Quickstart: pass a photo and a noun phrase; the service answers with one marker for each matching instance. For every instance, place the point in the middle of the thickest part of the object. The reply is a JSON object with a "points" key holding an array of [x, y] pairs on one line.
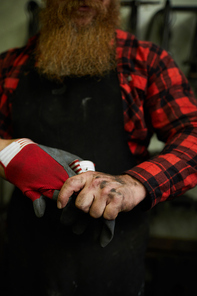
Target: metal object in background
{"points": [[164, 15], [166, 25], [165, 30], [192, 74], [168, 9], [133, 20], [33, 10]]}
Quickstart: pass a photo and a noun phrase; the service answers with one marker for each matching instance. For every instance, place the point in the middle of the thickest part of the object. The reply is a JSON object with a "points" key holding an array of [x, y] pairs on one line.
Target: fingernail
{"points": [[59, 205]]}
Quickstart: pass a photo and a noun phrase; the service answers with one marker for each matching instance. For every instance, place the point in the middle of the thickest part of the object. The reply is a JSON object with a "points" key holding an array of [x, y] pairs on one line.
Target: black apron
{"points": [[83, 116]]}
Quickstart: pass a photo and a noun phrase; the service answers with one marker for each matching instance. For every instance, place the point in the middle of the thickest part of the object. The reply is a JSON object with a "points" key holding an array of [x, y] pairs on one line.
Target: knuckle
{"points": [[105, 191], [117, 198], [71, 181]]}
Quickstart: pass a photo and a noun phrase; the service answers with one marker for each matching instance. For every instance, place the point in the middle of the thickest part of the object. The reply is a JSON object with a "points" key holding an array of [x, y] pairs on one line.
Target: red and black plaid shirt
{"points": [[156, 99]]}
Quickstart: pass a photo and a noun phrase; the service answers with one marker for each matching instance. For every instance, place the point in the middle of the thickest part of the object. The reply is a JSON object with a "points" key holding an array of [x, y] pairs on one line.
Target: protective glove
{"points": [[71, 216], [26, 166], [37, 182]]}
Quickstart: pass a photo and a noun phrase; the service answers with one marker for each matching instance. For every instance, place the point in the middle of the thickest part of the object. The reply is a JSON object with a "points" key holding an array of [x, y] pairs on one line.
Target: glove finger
{"points": [[50, 193], [39, 203], [33, 195], [107, 232], [39, 206], [55, 194]]}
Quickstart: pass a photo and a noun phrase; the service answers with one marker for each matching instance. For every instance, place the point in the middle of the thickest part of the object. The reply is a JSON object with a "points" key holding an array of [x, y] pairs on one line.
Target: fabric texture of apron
{"points": [[82, 116]]}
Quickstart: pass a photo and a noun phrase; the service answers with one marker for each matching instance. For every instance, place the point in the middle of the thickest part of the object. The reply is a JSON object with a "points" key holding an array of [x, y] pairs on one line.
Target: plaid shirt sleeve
{"points": [[167, 106], [11, 63]]}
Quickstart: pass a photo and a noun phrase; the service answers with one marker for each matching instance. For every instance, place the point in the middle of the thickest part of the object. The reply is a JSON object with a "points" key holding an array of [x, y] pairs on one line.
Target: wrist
{"points": [[139, 191], [8, 150], [11, 150], [5, 143]]}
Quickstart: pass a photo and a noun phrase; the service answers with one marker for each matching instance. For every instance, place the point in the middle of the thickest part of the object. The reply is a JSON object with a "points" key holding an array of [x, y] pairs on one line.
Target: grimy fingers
{"points": [[72, 185]]}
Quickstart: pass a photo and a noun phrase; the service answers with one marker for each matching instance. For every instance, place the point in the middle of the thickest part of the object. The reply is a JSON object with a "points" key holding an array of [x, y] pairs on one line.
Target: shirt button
{"points": [[129, 78]]}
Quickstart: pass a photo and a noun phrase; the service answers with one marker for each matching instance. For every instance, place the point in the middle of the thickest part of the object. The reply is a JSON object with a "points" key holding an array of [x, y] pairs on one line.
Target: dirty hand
{"points": [[101, 194]]}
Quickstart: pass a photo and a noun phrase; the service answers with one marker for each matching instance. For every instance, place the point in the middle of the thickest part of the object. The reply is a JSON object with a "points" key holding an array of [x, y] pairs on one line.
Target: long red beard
{"points": [[66, 49]]}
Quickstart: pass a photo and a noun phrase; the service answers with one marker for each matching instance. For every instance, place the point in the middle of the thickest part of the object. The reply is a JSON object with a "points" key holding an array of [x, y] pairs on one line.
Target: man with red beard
{"points": [[86, 87]]}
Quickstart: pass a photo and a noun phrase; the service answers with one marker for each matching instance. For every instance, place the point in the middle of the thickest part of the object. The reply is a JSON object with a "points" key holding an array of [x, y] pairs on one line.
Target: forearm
{"points": [[172, 172], [174, 119], [3, 144]]}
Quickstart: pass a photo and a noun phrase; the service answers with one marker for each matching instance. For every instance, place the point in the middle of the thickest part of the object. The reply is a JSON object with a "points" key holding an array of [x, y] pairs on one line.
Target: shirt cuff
{"points": [[154, 180]]}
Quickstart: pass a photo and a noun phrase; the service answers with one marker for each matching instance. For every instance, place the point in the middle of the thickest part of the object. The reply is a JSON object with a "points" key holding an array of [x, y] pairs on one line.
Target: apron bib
{"points": [[83, 116]]}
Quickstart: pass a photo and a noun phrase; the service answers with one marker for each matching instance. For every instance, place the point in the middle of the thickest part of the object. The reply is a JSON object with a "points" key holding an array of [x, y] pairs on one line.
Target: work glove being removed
{"points": [[33, 171], [70, 214], [39, 172]]}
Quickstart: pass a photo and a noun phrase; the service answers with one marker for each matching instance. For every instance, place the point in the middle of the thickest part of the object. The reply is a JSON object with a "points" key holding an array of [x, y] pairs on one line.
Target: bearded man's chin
{"points": [[66, 49]]}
